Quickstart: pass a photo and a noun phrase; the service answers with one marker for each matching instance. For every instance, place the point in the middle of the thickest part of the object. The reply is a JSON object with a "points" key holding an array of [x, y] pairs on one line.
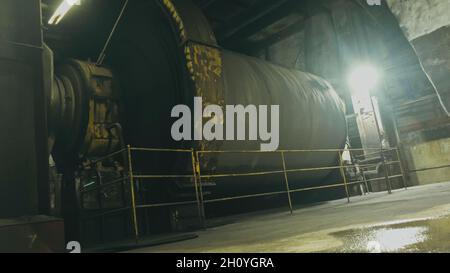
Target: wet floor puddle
{"points": [[431, 235]]}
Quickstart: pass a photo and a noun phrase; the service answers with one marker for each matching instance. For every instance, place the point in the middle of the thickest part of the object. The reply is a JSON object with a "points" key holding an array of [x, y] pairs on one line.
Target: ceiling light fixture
{"points": [[62, 10]]}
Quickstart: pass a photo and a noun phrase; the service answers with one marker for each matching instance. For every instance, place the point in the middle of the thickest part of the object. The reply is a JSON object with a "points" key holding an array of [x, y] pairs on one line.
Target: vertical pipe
{"points": [[133, 197], [288, 190], [341, 164], [383, 160]]}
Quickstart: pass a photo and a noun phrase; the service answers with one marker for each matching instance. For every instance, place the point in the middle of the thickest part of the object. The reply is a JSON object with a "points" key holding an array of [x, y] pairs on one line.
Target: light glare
{"points": [[62, 10], [363, 78]]}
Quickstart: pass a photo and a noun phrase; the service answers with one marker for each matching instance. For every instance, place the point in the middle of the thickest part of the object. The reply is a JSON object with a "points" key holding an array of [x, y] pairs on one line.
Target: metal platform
{"points": [[36, 234]]}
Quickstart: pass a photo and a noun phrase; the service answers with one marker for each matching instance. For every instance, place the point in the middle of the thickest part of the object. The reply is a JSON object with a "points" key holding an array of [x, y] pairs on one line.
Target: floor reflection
{"points": [[418, 236]]}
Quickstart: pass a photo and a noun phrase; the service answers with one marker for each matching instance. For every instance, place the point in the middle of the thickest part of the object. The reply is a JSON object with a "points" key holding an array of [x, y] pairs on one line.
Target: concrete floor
{"points": [[413, 220]]}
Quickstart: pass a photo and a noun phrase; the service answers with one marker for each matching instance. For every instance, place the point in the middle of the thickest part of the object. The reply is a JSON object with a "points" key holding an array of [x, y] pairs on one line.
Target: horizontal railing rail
{"points": [[197, 177]]}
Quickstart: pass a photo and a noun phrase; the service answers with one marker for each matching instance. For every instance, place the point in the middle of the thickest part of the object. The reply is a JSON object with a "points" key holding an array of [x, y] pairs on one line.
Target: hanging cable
{"points": [[441, 101], [102, 55]]}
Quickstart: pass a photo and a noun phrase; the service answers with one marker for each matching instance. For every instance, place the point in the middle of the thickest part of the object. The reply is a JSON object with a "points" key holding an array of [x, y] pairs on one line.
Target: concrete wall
{"points": [[422, 126], [426, 25], [420, 17], [289, 52], [433, 50], [429, 155]]}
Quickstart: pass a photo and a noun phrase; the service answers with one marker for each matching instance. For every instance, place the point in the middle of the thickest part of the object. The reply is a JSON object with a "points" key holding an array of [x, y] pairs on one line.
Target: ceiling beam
{"points": [[261, 23], [253, 47], [248, 17]]}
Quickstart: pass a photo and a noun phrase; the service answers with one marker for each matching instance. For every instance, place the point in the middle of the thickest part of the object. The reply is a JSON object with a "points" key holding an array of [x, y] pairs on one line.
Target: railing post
{"points": [[386, 171], [402, 170], [288, 190], [133, 196], [100, 202], [200, 188], [197, 190], [341, 164], [365, 181]]}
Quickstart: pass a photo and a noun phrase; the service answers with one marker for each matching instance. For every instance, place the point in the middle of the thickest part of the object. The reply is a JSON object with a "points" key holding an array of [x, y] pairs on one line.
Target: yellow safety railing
{"points": [[132, 178], [198, 176], [286, 171]]}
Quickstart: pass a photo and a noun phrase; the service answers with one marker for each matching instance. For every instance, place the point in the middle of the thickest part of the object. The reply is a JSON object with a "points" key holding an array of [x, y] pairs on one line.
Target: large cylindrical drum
{"points": [[175, 58]]}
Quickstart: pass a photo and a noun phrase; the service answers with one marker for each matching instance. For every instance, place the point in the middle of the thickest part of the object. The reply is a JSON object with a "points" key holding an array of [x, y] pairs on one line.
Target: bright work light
{"points": [[62, 10], [363, 78]]}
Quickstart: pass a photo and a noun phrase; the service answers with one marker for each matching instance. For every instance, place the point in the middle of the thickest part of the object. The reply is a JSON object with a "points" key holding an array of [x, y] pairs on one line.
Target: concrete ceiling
{"points": [[418, 18], [241, 25], [247, 24]]}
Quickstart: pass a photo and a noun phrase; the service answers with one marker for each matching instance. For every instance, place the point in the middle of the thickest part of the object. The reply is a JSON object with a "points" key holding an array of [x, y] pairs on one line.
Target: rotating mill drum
{"points": [[175, 58]]}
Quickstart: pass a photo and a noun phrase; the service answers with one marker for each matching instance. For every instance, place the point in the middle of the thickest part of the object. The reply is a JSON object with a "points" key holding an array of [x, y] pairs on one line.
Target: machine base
{"points": [[35, 234]]}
